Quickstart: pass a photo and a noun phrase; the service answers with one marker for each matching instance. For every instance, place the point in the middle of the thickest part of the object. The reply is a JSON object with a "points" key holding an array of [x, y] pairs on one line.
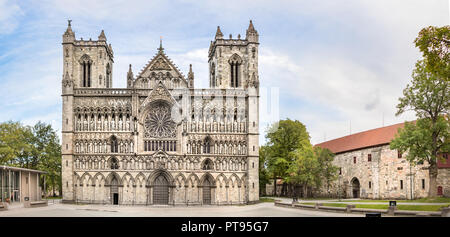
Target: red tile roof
{"points": [[370, 138]]}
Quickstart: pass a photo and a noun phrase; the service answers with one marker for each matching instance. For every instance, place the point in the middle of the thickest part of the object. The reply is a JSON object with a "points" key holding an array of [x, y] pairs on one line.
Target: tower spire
{"points": [[102, 36], [69, 35], [219, 34], [160, 49], [191, 77], [252, 34]]}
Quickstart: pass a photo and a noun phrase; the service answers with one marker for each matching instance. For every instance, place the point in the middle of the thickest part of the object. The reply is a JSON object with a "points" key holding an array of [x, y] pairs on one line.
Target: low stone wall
{"points": [[351, 209]]}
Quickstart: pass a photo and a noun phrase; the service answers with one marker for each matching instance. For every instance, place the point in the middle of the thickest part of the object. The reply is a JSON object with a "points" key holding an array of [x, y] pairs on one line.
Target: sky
{"points": [[337, 66]]}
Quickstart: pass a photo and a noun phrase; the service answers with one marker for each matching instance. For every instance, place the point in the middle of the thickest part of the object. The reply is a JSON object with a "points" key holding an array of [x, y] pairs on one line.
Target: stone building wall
{"points": [[390, 177]]}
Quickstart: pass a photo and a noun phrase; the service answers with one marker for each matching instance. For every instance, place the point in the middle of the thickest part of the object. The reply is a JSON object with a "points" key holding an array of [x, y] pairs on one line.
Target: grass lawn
{"points": [[385, 206], [264, 199], [53, 198], [421, 200]]}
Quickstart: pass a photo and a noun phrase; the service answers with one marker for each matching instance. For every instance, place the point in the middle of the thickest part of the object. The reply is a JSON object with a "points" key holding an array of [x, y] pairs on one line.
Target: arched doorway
{"points": [[355, 187], [207, 185], [114, 190], [161, 190]]}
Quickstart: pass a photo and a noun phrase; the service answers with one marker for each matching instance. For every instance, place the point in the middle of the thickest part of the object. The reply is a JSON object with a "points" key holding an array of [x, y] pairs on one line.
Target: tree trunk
{"points": [[305, 191], [275, 187], [433, 172]]}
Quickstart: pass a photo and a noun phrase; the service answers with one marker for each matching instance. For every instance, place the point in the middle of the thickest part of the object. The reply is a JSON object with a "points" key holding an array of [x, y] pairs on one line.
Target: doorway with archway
{"points": [[161, 190], [355, 188]]}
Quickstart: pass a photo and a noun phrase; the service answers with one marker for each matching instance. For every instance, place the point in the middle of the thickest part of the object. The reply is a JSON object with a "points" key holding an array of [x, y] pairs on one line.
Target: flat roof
{"points": [[4, 167]]}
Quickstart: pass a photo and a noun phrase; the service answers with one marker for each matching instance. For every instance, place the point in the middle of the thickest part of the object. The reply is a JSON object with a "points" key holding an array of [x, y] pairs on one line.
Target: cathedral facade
{"points": [[160, 141]]}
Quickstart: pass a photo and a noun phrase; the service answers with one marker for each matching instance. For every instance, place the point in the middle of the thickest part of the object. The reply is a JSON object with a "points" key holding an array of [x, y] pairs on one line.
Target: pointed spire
{"points": [[102, 36], [219, 34], [251, 28], [69, 35], [160, 49], [252, 34], [130, 74], [191, 77]]}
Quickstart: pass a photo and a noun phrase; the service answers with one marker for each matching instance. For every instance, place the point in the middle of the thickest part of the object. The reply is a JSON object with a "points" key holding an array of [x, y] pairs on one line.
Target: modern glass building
{"points": [[17, 184]]}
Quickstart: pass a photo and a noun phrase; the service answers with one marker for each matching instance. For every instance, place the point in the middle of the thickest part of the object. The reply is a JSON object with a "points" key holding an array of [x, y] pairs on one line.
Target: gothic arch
{"points": [[156, 173], [140, 178], [87, 176], [207, 176], [224, 180], [180, 182], [110, 177], [193, 179], [124, 179], [207, 164], [237, 180]]}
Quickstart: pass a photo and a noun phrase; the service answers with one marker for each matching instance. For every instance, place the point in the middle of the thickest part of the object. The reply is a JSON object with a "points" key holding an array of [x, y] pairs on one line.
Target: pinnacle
{"points": [[219, 34]]}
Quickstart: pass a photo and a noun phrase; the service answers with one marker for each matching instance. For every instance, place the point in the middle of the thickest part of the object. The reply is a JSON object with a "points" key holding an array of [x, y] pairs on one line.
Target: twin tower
{"points": [[233, 63]]}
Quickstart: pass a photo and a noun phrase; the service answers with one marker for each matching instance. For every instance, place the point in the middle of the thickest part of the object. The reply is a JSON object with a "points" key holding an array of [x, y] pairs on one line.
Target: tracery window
{"points": [[158, 122], [235, 63], [114, 163], [114, 145], [208, 165], [86, 62]]}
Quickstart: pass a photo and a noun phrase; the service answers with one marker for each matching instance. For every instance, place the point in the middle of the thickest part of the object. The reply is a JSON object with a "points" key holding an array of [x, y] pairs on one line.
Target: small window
{"points": [[370, 185], [26, 180], [399, 154], [254, 124], [340, 171], [423, 183], [354, 160], [369, 157], [253, 184], [67, 121], [253, 148], [401, 184], [399, 168], [253, 164], [67, 163], [67, 146]]}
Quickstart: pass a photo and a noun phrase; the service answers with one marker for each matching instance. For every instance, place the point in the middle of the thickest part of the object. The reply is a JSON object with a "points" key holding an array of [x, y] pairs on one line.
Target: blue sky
{"points": [[332, 63]]}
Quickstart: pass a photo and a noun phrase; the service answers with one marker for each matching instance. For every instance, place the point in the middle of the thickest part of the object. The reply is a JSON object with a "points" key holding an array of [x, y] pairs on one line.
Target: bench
{"points": [[41, 203], [3, 206]]}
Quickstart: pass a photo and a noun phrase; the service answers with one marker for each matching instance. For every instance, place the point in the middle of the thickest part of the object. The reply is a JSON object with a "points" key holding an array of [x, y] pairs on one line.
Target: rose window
{"points": [[159, 123]]}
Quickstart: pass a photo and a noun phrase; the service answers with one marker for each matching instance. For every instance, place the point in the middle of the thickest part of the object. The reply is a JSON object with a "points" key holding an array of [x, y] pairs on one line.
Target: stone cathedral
{"points": [[160, 141]]}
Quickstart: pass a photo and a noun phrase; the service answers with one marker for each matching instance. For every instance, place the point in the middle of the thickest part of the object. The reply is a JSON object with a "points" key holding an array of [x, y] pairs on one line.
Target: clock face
{"points": [[159, 123]]}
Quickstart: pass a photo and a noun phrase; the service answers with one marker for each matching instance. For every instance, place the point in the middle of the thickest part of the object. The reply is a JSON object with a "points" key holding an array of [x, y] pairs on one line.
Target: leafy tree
{"points": [[283, 138], [15, 144], [434, 43], [328, 171], [34, 147], [263, 172], [305, 169], [428, 96]]}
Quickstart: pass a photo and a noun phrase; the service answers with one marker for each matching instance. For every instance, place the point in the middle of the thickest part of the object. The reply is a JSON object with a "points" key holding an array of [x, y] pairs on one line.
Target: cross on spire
{"points": [[161, 49]]}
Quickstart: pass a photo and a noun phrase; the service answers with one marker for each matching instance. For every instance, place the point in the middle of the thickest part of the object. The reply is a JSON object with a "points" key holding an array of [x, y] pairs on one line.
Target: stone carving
{"points": [[160, 64]]}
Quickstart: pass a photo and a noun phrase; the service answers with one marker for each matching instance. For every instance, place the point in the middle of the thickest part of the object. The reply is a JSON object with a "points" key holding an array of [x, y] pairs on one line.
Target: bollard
{"points": [[391, 210], [445, 212], [349, 208], [318, 205]]}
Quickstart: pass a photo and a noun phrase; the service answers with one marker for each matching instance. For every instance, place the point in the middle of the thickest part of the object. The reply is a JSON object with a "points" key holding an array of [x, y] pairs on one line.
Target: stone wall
{"points": [[386, 176]]}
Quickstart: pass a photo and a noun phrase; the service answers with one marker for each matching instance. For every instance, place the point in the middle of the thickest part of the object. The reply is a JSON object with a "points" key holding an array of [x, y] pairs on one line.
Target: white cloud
{"points": [[9, 14]]}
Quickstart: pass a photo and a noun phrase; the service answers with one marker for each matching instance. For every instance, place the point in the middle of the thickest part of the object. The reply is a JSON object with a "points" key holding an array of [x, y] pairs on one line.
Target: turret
{"points": [[191, 77], [102, 36], [233, 63], [252, 34], [69, 35], [130, 78]]}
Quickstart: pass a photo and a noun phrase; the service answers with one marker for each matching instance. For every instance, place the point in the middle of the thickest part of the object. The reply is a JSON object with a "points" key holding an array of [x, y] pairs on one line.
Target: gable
{"points": [[160, 67]]}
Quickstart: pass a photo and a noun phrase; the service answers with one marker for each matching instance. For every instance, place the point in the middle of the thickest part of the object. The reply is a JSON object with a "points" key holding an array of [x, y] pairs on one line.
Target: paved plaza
{"points": [[256, 210]]}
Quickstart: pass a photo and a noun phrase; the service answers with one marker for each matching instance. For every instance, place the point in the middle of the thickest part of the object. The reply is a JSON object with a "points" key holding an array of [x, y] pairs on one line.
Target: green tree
{"points": [[328, 171], [15, 143], [263, 173], [305, 169], [34, 147], [428, 96], [283, 138]]}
